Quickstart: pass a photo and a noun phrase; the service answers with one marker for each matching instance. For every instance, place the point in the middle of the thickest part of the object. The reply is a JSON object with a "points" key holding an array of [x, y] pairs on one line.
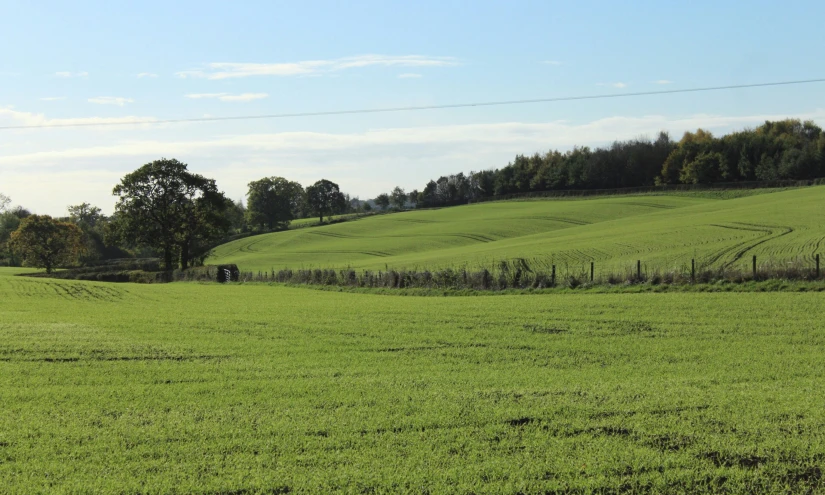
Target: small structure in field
{"points": [[228, 273]]}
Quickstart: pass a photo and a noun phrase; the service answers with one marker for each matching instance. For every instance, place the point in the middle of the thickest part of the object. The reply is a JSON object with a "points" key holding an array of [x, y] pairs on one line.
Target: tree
{"points": [[412, 197], [382, 200], [164, 206], [325, 198], [85, 214], [273, 202], [398, 198], [4, 202], [367, 207], [43, 242]]}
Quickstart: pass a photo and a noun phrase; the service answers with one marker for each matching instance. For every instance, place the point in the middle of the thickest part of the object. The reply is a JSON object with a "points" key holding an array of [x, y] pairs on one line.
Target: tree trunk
{"points": [[321, 220], [167, 258], [184, 256]]}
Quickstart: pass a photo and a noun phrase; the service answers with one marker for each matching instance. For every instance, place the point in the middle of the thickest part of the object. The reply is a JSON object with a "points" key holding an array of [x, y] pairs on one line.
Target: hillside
{"points": [[663, 231]]}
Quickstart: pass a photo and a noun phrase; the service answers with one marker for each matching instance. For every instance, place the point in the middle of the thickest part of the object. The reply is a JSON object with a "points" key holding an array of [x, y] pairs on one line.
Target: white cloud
{"points": [[147, 74], [409, 75], [227, 70], [67, 75], [663, 81], [53, 98], [551, 62], [227, 96], [9, 117], [111, 100]]}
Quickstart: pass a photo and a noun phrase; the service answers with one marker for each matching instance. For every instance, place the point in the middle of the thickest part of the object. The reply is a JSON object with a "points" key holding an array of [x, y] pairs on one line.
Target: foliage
{"points": [[319, 392], [398, 198], [164, 206], [788, 149], [383, 201], [43, 242], [325, 198], [273, 202], [4, 202]]}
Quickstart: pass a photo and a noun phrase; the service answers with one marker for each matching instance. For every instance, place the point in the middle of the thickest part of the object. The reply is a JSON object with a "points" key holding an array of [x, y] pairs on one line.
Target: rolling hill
{"points": [[663, 231]]}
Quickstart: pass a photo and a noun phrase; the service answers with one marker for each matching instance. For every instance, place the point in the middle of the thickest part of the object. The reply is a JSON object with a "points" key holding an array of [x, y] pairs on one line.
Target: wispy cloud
{"points": [[613, 85], [551, 62], [227, 96], [53, 98], [68, 75], [14, 117], [409, 75], [111, 100], [147, 74], [227, 70], [663, 81]]}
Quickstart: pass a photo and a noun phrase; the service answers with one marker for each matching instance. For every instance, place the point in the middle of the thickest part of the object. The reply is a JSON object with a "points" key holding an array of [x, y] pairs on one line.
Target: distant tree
{"points": [[412, 197], [367, 207], [4, 202], [86, 214], [382, 201], [273, 202], [164, 206], [43, 242], [398, 198], [325, 198], [236, 215]]}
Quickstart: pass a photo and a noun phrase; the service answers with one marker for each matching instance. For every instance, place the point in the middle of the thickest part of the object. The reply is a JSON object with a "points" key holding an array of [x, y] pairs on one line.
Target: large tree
{"points": [[4, 202], [164, 206], [43, 242], [325, 198], [273, 202]]}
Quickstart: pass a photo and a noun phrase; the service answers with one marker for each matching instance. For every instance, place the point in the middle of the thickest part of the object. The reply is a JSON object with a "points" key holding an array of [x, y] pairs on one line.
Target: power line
{"points": [[416, 108]]}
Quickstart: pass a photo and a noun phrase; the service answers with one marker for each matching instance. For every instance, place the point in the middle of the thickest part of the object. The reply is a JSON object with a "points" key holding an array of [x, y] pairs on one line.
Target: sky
{"points": [[102, 61]]}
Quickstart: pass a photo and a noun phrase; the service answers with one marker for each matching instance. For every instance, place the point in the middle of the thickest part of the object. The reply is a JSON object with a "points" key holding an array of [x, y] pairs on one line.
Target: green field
{"points": [[207, 388], [664, 231]]}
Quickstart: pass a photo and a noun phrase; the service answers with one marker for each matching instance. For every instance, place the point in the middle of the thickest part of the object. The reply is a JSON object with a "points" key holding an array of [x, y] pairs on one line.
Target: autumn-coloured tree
{"points": [[43, 242]]}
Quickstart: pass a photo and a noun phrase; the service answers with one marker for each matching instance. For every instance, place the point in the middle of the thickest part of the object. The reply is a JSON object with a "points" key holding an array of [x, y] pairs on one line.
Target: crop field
{"points": [[664, 231], [252, 388]]}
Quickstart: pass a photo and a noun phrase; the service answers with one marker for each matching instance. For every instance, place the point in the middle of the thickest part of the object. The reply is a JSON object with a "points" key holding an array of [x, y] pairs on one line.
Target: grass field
{"points": [[664, 231], [207, 388]]}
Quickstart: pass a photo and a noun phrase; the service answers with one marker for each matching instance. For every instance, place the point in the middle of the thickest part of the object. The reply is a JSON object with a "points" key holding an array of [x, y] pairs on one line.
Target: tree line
{"points": [[164, 210], [786, 149]]}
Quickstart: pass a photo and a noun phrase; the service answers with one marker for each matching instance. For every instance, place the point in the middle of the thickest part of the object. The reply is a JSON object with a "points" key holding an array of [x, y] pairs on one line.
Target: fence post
{"points": [[754, 266], [817, 266], [591, 271], [639, 269], [693, 270], [553, 276]]}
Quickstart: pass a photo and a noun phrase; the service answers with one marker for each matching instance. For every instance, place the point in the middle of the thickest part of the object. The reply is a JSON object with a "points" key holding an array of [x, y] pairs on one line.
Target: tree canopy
{"points": [[325, 198], [164, 206], [43, 242], [273, 202]]}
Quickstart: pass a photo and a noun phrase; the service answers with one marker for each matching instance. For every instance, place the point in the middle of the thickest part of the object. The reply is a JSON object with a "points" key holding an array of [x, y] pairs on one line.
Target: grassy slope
{"points": [[664, 231], [241, 389]]}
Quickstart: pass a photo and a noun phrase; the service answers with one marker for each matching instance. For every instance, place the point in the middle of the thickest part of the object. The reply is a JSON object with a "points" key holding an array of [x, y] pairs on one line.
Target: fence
{"points": [[525, 274]]}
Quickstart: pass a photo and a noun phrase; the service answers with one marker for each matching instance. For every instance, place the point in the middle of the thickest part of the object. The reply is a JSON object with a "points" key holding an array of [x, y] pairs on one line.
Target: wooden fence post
{"points": [[591, 271], [817, 266], [639, 269], [754, 266], [553, 276], [693, 270]]}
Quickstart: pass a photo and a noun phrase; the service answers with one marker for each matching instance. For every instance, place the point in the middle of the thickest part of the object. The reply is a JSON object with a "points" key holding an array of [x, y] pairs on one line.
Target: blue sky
{"points": [[67, 62]]}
